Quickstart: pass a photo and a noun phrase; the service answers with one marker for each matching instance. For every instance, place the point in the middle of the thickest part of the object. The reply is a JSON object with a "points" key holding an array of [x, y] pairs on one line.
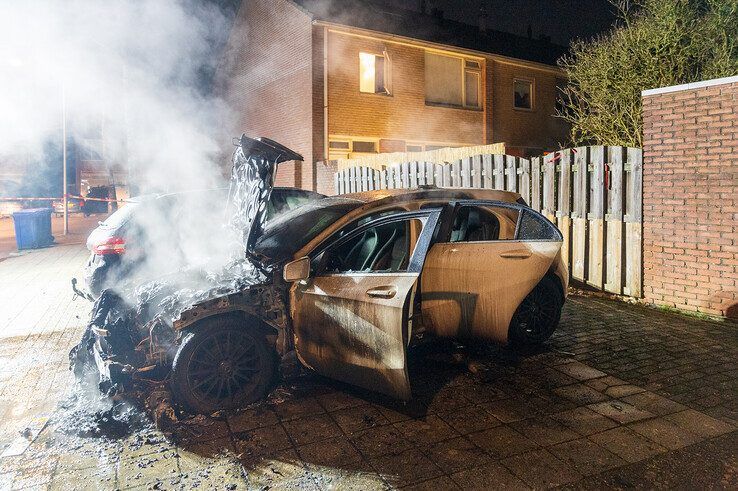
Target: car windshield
{"points": [[289, 232]]}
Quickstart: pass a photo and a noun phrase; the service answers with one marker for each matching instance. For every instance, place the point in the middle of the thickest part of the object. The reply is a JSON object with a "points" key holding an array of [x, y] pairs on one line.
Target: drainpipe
{"points": [[325, 93]]}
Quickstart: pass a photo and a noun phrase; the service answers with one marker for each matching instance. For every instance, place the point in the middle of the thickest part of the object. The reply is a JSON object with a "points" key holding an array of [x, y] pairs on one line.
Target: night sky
{"points": [[562, 20]]}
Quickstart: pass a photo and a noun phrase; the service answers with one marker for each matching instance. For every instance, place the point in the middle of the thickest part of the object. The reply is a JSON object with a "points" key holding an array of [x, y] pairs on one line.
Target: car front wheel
{"points": [[222, 365], [537, 316]]}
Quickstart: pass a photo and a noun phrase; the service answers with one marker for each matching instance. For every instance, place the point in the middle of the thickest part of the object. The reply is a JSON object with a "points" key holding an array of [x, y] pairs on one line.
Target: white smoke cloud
{"points": [[140, 65]]}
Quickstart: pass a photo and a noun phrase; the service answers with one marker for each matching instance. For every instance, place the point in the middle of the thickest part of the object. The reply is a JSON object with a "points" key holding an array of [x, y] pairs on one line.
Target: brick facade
{"points": [[525, 133], [273, 77], [402, 116], [690, 205], [266, 78]]}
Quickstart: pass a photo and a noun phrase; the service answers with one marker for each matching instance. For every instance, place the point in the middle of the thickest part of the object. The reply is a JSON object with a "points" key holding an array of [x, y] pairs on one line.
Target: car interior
{"points": [[477, 224], [384, 248]]}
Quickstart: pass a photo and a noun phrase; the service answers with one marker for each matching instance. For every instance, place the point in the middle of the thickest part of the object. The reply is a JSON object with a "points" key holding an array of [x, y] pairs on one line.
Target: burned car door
{"points": [[351, 317], [476, 277]]}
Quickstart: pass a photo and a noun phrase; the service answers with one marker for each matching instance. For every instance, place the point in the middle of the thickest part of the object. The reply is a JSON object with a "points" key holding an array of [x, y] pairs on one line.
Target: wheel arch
{"points": [[249, 320]]}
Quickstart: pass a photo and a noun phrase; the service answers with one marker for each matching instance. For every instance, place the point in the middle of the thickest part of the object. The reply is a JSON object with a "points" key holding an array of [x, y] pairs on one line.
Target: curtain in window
{"points": [[443, 79]]}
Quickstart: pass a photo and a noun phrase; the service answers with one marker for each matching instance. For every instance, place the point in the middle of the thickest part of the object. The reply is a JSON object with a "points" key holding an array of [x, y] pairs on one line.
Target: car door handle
{"points": [[521, 254], [382, 292]]}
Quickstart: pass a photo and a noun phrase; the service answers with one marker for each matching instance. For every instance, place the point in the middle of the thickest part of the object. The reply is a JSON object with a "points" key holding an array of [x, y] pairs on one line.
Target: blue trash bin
{"points": [[33, 228]]}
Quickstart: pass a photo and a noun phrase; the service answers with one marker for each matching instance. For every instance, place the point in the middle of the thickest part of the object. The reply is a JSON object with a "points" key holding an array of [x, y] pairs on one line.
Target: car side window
{"points": [[384, 248], [484, 223], [535, 227]]}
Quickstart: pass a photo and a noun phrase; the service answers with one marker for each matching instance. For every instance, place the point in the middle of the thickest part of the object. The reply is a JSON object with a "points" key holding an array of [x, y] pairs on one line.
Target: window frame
{"points": [[465, 68], [387, 73], [456, 205], [532, 83]]}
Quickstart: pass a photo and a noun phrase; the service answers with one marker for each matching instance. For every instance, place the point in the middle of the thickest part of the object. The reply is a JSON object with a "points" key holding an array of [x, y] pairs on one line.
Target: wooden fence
{"points": [[593, 194]]}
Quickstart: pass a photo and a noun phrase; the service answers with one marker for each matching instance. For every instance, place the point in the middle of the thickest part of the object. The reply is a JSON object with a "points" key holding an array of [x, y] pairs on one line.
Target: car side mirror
{"points": [[297, 270]]}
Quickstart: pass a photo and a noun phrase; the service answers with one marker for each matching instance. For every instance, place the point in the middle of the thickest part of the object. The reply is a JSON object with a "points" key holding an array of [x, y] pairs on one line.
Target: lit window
{"points": [[374, 73], [452, 81], [523, 97]]}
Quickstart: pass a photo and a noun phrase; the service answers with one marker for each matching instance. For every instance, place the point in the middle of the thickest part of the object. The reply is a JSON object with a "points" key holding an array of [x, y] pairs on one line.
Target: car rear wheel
{"points": [[222, 365], [537, 316]]}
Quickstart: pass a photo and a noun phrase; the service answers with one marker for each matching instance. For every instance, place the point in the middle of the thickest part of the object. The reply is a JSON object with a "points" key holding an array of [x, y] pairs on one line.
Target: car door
{"points": [[351, 316], [476, 276]]}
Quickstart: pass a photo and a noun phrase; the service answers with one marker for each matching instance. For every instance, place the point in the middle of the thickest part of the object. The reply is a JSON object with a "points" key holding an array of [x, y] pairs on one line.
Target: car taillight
{"points": [[112, 245]]}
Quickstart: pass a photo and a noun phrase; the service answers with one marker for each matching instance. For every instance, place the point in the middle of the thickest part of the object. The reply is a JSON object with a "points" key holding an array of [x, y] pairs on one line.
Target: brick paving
{"points": [[622, 396]]}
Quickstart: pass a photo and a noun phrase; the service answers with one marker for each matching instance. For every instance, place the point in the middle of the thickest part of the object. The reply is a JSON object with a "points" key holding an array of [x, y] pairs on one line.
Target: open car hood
{"points": [[255, 163]]}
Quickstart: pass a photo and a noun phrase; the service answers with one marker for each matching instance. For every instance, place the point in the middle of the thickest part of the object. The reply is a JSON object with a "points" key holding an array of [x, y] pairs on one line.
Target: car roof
{"points": [[432, 192]]}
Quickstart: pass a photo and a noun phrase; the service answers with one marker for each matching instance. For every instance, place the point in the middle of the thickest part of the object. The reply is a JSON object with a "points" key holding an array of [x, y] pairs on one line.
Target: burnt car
{"points": [[119, 245], [348, 284]]}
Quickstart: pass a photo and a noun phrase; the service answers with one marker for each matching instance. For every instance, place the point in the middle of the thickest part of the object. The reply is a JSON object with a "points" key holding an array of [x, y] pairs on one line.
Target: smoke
{"points": [[136, 74], [135, 66]]}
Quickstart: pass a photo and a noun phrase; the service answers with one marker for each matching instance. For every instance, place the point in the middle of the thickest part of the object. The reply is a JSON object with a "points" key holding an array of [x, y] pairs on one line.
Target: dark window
{"points": [[523, 94], [535, 227], [340, 145], [365, 147]]}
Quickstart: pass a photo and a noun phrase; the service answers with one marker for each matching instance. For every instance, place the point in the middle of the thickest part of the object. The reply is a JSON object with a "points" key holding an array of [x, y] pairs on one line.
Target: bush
{"points": [[655, 43]]}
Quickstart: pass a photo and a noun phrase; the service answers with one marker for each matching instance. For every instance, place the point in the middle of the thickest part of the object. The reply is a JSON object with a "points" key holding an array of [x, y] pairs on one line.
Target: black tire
{"points": [[537, 316], [222, 365]]}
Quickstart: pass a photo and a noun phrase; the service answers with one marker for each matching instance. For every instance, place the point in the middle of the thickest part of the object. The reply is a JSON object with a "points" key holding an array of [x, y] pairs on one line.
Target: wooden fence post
{"points": [[563, 211], [634, 224], [499, 172], [446, 175], [511, 174], [596, 215], [465, 172], [549, 187], [476, 171], [579, 215], [535, 171], [524, 176], [488, 177], [614, 220]]}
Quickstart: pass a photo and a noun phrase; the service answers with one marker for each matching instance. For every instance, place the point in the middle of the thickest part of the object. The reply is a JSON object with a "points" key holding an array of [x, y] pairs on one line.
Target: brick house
{"points": [[336, 80]]}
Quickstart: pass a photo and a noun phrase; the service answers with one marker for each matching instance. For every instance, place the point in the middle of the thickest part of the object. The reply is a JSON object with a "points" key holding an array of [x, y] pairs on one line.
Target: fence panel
{"points": [[593, 194]]}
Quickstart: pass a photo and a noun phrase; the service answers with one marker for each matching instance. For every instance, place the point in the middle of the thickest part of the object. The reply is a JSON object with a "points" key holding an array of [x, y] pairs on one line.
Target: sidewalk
{"points": [[80, 227], [623, 396]]}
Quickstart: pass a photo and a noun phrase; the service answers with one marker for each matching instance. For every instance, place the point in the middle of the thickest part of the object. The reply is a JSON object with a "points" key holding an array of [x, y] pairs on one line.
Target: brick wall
{"points": [[525, 133], [266, 78], [690, 204], [402, 116], [272, 78]]}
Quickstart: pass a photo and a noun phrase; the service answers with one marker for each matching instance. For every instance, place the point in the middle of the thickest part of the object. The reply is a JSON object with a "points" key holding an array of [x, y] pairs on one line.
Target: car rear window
{"points": [[120, 217]]}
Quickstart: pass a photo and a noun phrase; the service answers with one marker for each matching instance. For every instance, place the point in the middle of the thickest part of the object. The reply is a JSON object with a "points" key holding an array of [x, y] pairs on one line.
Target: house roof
{"points": [[432, 28]]}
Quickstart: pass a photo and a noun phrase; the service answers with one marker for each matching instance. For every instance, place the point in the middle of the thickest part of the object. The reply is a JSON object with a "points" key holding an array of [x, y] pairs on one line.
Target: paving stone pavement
{"points": [[622, 396]]}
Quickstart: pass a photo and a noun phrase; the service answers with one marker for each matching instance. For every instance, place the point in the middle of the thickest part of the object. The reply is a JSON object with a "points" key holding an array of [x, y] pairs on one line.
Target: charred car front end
{"points": [[346, 283]]}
